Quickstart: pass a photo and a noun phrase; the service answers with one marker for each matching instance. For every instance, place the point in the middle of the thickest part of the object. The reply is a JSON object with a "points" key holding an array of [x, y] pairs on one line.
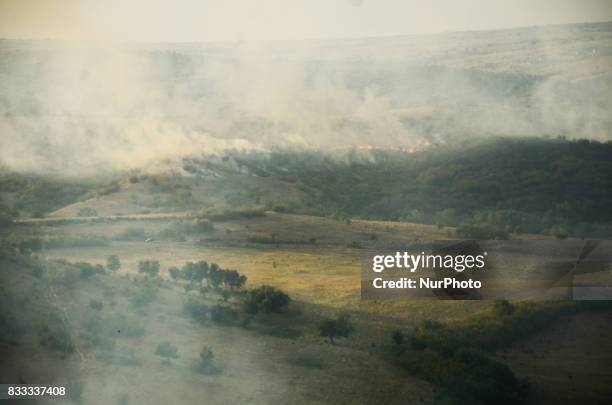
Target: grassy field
{"points": [[257, 364]]}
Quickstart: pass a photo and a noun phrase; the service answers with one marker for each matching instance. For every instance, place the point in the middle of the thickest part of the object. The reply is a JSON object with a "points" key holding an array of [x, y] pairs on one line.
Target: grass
{"points": [[322, 279]]}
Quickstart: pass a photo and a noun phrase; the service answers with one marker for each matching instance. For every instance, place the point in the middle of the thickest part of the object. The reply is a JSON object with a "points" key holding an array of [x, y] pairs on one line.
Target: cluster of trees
{"points": [[41, 194], [523, 185], [265, 299], [458, 357], [214, 275]]}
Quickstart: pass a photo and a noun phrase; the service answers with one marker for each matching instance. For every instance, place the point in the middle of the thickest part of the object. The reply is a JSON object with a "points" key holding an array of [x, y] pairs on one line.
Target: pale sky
{"points": [[211, 20]]}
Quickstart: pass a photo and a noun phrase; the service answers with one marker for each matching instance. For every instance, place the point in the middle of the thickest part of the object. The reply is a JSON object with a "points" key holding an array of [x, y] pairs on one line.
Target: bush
{"points": [[55, 336], [167, 350], [113, 263], [149, 267], [339, 327], [224, 315], [88, 270], [266, 299], [174, 272], [195, 310], [397, 337], [469, 376], [206, 365]]}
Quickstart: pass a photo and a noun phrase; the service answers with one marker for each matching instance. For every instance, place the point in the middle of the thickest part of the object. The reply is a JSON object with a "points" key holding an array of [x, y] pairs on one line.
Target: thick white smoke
{"points": [[91, 108]]}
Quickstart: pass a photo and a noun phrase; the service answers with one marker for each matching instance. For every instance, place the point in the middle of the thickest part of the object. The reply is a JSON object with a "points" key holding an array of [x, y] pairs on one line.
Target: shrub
{"points": [[55, 336], [174, 272], [149, 267], [195, 310], [266, 299], [397, 337], [88, 270], [113, 263], [206, 365], [224, 315], [339, 327], [167, 350]]}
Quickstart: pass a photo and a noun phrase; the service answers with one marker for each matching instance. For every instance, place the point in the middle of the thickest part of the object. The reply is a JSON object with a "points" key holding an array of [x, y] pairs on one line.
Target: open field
{"points": [[322, 277]]}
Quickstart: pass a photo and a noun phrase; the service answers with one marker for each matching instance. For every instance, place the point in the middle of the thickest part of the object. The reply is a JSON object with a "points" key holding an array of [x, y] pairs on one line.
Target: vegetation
{"points": [[521, 185], [206, 365], [113, 263], [265, 299], [166, 350], [334, 328], [224, 315], [149, 267]]}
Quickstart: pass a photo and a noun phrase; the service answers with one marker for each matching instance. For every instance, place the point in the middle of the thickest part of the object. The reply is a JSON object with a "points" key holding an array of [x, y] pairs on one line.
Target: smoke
{"points": [[82, 109]]}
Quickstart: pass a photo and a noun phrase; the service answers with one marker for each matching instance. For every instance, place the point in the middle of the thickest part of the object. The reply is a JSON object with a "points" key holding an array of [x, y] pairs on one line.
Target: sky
{"points": [[219, 20]]}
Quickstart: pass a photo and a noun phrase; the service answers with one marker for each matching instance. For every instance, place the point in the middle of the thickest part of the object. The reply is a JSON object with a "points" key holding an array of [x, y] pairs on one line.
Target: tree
{"points": [[266, 299], [174, 272], [225, 295], [215, 275], [233, 279], [88, 270], [332, 328], [149, 267], [397, 337], [113, 263], [200, 271], [188, 271], [206, 365], [167, 350]]}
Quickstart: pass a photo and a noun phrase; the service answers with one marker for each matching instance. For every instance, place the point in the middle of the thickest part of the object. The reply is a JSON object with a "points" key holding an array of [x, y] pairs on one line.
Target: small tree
{"points": [[166, 350], [174, 272], [332, 328], [207, 365], [149, 267], [113, 263], [215, 275], [397, 337], [200, 271], [225, 295], [266, 299], [233, 279]]}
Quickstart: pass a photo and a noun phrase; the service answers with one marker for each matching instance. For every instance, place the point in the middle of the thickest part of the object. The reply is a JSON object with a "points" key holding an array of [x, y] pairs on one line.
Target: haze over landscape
{"points": [[188, 190]]}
